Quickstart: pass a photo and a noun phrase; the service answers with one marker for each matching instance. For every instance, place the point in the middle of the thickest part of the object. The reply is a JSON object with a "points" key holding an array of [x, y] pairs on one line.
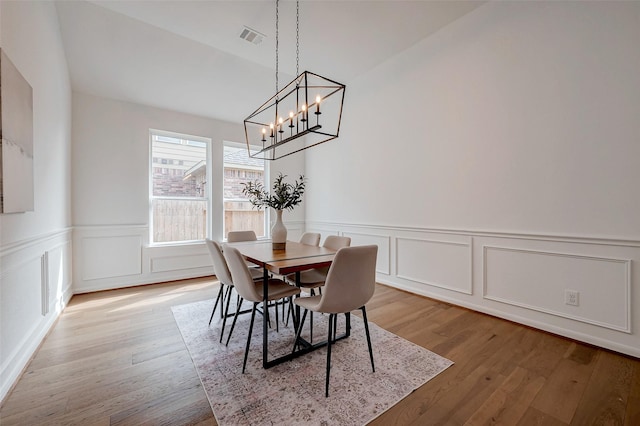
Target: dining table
{"points": [[293, 259]]}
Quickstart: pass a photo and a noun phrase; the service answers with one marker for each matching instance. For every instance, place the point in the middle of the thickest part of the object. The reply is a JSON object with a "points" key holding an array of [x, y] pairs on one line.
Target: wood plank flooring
{"points": [[117, 358]]}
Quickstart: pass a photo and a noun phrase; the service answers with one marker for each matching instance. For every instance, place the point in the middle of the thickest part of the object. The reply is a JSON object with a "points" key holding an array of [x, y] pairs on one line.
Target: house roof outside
{"points": [[237, 157]]}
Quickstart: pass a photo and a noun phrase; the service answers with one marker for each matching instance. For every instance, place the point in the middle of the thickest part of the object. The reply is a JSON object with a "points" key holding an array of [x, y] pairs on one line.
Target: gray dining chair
{"points": [[349, 285], [238, 236], [310, 239], [223, 275], [241, 236], [252, 291], [313, 279]]}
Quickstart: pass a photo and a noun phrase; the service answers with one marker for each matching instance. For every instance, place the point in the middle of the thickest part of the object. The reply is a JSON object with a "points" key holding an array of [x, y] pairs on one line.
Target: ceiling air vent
{"points": [[252, 36]]}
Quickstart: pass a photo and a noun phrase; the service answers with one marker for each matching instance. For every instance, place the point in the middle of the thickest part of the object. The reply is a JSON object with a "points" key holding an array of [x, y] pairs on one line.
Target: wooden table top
{"points": [[295, 257]]}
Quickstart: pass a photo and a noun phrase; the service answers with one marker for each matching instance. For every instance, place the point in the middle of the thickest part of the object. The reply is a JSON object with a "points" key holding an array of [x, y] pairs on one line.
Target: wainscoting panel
{"points": [[44, 283], [384, 248], [29, 305], [116, 256], [539, 281], [111, 256], [520, 277], [21, 298], [176, 263], [435, 262], [58, 275]]}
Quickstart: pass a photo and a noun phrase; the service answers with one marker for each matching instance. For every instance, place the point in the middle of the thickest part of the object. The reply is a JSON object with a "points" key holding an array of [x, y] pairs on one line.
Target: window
{"points": [[239, 168], [179, 190]]}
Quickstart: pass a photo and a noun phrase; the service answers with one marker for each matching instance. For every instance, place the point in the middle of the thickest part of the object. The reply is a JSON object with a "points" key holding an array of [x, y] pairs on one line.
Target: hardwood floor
{"points": [[117, 357]]}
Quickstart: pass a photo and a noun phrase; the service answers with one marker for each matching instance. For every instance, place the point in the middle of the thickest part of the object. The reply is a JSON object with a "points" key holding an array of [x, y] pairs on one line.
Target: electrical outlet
{"points": [[572, 297]]}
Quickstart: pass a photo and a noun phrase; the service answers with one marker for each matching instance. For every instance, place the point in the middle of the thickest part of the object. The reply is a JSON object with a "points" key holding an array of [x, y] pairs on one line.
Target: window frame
{"points": [[267, 212], [208, 196]]}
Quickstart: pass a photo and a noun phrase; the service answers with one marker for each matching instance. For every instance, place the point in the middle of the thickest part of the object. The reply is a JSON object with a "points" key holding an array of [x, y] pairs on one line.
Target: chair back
{"points": [[351, 280], [335, 242], [310, 239], [220, 267], [240, 274], [237, 236]]}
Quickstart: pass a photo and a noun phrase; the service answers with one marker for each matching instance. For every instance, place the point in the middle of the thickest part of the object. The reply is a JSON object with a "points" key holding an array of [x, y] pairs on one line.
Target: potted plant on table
{"points": [[285, 196]]}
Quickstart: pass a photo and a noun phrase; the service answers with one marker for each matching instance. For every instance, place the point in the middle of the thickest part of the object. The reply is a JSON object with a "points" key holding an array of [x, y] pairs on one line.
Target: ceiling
{"points": [[187, 56]]}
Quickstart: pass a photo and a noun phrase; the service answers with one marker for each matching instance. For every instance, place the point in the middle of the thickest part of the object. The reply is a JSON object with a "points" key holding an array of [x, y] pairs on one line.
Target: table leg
{"points": [[296, 320], [265, 307]]}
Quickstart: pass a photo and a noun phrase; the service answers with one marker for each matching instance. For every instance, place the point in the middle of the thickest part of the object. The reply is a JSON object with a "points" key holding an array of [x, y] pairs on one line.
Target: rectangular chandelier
{"points": [[305, 113]]}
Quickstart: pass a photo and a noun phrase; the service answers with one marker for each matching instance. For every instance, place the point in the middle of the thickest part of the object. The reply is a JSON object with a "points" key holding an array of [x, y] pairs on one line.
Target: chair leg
{"points": [[313, 293], [275, 304], [215, 305], [286, 322], [292, 312], [283, 303], [246, 351], [233, 324], [226, 311], [299, 330], [366, 329], [226, 294], [329, 339]]}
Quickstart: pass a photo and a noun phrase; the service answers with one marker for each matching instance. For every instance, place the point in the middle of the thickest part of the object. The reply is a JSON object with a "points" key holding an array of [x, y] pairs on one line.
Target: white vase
{"points": [[279, 233]]}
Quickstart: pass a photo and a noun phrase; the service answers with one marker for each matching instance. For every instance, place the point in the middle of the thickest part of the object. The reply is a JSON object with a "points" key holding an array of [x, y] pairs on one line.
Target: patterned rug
{"points": [[292, 393]]}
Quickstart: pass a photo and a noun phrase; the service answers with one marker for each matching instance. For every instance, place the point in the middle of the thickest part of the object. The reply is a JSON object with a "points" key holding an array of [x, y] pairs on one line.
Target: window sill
{"points": [[177, 244]]}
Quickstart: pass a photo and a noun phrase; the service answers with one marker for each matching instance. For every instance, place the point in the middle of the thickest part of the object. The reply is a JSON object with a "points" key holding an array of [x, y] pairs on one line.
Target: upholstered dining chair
{"points": [[221, 270], [312, 279], [253, 291], [310, 239], [350, 284], [238, 236]]}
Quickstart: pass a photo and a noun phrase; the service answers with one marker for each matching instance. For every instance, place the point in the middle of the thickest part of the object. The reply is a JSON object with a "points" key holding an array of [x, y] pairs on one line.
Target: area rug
{"points": [[292, 393]]}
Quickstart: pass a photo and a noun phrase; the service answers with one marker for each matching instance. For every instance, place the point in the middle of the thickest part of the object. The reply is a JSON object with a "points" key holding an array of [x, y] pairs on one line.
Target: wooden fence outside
{"points": [[186, 220], [179, 220]]}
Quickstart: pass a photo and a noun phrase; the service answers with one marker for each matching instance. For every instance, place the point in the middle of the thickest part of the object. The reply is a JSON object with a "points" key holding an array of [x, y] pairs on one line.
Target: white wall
{"points": [[35, 247], [505, 170], [111, 193]]}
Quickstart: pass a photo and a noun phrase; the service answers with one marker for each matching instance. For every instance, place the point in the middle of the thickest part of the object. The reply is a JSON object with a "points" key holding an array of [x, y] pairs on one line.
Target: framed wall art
{"points": [[16, 139]]}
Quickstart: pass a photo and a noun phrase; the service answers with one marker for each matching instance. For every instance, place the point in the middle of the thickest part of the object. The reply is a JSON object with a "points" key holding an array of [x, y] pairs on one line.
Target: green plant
{"points": [[285, 195]]}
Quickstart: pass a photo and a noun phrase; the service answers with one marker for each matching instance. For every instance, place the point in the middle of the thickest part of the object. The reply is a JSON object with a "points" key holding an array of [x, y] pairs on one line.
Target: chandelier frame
{"points": [[267, 126]]}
